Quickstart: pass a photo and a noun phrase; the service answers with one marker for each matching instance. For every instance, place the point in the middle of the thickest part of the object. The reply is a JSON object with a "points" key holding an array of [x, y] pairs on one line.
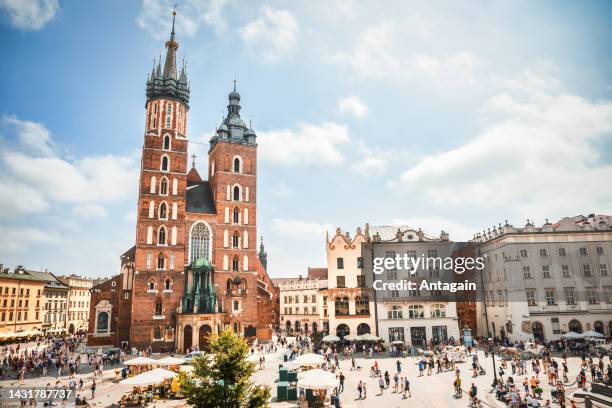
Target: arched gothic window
{"points": [[236, 240], [161, 236], [236, 193], [200, 242], [167, 142], [168, 114], [237, 165], [161, 262], [235, 264], [102, 326], [158, 307], [163, 211], [165, 163], [168, 284], [229, 284], [236, 215], [163, 186]]}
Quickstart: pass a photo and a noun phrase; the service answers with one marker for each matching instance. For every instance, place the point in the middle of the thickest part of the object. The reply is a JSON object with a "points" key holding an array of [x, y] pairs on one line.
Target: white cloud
{"points": [[433, 226], [29, 15], [309, 145], [19, 199], [374, 55], [352, 105], [18, 238], [456, 69], [374, 161], [272, 36], [538, 156], [88, 211], [155, 17], [32, 135], [283, 191], [31, 182]]}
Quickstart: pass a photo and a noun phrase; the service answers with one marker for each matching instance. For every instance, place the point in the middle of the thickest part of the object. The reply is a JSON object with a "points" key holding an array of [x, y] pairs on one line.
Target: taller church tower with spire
{"points": [[195, 269], [160, 232]]}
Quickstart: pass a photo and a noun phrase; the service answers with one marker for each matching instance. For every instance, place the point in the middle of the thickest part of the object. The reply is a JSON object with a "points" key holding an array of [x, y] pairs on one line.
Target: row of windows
{"points": [[11, 315], [340, 263], [238, 217], [237, 166], [561, 252], [297, 310], [416, 311], [167, 120], [14, 291], [306, 299], [20, 303], [341, 281], [341, 306], [587, 271], [162, 262], [570, 296], [163, 186], [152, 285]]}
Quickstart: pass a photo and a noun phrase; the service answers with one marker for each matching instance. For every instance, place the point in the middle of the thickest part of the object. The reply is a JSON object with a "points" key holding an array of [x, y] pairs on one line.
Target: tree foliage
{"points": [[222, 379]]}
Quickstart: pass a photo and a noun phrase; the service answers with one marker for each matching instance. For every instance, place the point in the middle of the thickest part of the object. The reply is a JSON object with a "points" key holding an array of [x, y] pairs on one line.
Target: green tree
{"points": [[222, 379]]}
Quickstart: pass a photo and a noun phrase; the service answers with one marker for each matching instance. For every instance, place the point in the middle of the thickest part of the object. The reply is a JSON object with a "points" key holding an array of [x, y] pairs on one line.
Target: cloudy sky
{"points": [[444, 115]]}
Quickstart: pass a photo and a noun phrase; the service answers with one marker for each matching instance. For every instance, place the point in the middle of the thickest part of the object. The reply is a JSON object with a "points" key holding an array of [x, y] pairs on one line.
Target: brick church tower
{"points": [[195, 269], [160, 231]]}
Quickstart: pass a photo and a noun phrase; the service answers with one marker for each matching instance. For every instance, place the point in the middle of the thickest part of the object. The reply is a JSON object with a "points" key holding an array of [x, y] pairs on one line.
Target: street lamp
{"points": [[491, 344]]}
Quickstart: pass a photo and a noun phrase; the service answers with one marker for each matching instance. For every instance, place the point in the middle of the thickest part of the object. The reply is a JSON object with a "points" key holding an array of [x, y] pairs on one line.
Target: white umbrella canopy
{"points": [[149, 378], [170, 361], [369, 337], [139, 361], [309, 359], [352, 337], [317, 379], [592, 333], [572, 335], [331, 338]]}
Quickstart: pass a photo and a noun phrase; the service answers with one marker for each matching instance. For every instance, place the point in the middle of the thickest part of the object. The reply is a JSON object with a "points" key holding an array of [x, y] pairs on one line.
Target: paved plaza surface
{"points": [[435, 390]]}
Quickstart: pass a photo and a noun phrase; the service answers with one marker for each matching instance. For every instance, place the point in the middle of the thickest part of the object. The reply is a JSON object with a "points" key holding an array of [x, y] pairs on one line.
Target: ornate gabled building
{"points": [[195, 268], [347, 299]]}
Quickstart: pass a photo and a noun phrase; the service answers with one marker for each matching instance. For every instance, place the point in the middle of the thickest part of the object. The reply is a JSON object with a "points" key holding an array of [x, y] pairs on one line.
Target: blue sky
{"points": [[440, 115]]}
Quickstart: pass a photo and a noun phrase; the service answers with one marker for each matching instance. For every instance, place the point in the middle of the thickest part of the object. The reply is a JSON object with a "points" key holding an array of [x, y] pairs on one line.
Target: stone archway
{"points": [[187, 338], [204, 337], [575, 326], [288, 327], [71, 329], [342, 330], [363, 328], [538, 331], [599, 327]]}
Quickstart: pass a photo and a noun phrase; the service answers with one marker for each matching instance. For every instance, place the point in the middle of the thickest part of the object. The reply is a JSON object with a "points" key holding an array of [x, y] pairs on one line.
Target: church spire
{"points": [[172, 46]]}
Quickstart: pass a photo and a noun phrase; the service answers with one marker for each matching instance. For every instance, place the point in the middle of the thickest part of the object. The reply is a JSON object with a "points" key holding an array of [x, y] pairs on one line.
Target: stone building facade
{"points": [[542, 282], [21, 303], [79, 296], [349, 301], [195, 268], [300, 305], [410, 317]]}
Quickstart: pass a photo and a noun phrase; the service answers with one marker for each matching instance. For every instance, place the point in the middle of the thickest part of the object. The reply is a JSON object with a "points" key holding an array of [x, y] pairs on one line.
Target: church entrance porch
{"points": [[195, 330]]}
